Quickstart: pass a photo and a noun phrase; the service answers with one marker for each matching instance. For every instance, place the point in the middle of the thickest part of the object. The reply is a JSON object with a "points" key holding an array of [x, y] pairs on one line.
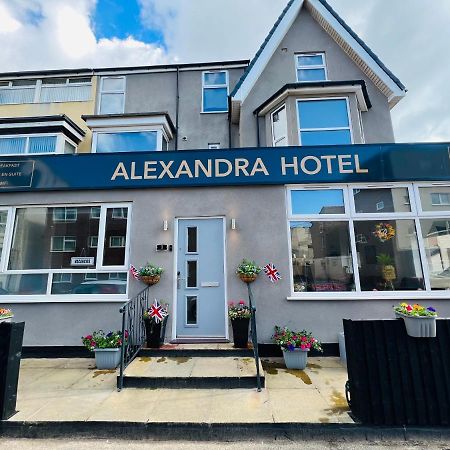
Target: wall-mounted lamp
{"points": [[233, 224], [165, 225]]}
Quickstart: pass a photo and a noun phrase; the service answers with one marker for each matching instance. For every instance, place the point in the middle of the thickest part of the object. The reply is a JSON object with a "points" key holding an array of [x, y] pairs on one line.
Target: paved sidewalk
{"points": [[73, 390]]}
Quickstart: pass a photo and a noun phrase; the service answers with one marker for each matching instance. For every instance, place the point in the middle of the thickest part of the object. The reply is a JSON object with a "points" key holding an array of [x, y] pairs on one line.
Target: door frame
{"points": [[174, 275]]}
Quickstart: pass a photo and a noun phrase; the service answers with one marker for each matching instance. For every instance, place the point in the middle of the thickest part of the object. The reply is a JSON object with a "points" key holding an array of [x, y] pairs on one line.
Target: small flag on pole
{"points": [[272, 272], [134, 272], [157, 312]]}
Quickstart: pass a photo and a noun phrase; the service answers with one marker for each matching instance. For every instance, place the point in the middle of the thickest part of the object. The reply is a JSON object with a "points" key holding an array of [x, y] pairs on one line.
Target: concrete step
{"points": [[176, 372], [197, 350]]}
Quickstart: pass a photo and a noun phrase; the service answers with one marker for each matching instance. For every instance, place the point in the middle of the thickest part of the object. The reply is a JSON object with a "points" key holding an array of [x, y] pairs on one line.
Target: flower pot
{"points": [[150, 279], [153, 333], [240, 332], [107, 358], [6, 319], [296, 359], [248, 278], [419, 326]]}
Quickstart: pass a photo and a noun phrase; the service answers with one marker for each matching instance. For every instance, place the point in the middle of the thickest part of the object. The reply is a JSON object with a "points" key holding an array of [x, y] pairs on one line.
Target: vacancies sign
{"points": [[229, 167]]}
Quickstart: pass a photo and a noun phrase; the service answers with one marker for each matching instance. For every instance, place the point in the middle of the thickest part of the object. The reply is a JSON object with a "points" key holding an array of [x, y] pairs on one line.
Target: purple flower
{"points": [[290, 347], [430, 308]]}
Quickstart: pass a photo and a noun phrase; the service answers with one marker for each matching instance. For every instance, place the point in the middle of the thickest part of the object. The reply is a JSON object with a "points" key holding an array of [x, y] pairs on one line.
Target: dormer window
{"points": [[311, 67]]}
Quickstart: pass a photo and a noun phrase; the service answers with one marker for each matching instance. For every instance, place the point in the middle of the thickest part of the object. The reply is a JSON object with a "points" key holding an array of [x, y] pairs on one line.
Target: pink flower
{"points": [[303, 346], [241, 302], [409, 308], [88, 337], [303, 338]]}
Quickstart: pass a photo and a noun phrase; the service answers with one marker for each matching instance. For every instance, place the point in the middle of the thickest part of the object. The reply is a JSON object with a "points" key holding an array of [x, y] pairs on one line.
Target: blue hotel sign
{"points": [[228, 167]]}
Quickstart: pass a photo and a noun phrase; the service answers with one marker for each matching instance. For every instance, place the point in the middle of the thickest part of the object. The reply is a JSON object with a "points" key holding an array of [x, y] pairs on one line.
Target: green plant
{"points": [[290, 340], [247, 267], [5, 313], [150, 270], [384, 259], [98, 339], [238, 311]]}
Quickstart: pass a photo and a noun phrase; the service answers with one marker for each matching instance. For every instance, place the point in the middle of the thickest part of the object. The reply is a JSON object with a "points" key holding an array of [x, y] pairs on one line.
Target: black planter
{"points": [[153, 332], [11, 335], [240, 332]]}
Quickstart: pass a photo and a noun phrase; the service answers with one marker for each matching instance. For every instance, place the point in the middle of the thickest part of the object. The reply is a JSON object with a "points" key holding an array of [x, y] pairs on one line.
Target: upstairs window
{"points": [[45, 90], [324, 122], [311, 67], [215, 92], [279, 127], [17, 145], [128, 141], [112, 95]]}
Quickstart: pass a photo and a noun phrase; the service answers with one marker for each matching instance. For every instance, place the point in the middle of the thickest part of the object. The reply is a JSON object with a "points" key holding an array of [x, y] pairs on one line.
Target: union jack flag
{"points": [[134, 272], [272, 272], [157, 312]]}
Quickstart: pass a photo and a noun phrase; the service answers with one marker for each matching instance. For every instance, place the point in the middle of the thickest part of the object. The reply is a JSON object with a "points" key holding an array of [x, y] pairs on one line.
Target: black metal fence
{"points": [[133, 329], [395, 379], [254, 335]]}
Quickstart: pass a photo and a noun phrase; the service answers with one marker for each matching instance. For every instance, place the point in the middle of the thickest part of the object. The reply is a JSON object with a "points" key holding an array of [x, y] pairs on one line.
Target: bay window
{"points": [[371, 240], [47, 243]]}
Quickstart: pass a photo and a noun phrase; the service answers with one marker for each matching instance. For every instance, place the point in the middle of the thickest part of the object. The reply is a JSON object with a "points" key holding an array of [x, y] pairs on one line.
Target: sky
{"points": [[411, 38]]}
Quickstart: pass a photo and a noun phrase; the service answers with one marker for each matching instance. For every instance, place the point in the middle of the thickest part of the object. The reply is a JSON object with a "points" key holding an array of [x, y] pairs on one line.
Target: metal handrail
{"points": [[133, 325], [254, 336]]}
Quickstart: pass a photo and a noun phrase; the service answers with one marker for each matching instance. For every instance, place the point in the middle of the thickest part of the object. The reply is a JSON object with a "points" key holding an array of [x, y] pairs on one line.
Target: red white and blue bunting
{"points": [[272, 272]]}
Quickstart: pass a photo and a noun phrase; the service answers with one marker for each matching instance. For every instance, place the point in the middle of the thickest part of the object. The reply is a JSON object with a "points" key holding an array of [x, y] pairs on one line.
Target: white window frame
{"points": [[65, 208], [112, 91], [91, 242], [93, 216], [214, 86], [122, 242], [67, 276], [121, 215], [159, 137], [350, 125], [317, 66], [186, 324], [59, 146], [286, 136], [65, 239], [441, 203], [37, 87], [98, 269], [415, 215]]}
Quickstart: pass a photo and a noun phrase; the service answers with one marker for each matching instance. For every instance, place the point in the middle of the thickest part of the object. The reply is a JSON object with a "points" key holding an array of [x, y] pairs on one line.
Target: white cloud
{"points": [[63, 37]]}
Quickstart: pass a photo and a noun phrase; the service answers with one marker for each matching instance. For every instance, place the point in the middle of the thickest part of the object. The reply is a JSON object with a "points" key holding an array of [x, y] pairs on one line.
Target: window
{"points": [[440, 199], [65, 214], [128, 141], [16, 145], [324, 122], [46, 90], [311, 67], [63, 244], [117, 241], [215, 91], [46, 242], [93, 241], [112, 95], [367, 239], [120, 213], [279, 127], [214, 146]]}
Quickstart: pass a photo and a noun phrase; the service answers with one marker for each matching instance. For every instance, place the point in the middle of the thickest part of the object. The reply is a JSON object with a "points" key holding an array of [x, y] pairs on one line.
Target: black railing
{"points": [[133, 326], [254, 335]]}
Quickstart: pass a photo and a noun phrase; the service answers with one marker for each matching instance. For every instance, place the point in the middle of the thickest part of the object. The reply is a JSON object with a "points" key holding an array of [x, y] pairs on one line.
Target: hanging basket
{"points": [[248, 278], [150, 280]]}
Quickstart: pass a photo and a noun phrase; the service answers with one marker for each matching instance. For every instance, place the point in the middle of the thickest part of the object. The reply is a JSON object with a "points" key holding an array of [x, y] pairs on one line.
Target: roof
{"points": [[321, 8], [93, 71], [316, 84]]}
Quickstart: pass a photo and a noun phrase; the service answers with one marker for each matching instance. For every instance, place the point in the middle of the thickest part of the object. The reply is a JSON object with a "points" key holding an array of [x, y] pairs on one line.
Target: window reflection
{"points": [[381, 200], [325, 201]]}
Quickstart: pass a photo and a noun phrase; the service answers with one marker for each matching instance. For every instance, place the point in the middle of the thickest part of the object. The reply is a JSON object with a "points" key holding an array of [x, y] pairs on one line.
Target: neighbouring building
{"points": [[287, 159]]}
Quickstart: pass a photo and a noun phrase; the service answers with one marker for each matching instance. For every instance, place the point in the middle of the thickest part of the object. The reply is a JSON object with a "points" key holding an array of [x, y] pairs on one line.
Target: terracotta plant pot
{"points": [[248, 278], [240, 332], [150, 280]]}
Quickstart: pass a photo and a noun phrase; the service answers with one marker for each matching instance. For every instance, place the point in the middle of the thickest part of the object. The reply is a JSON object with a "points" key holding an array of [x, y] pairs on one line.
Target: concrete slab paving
{"points": [[72, 390]]}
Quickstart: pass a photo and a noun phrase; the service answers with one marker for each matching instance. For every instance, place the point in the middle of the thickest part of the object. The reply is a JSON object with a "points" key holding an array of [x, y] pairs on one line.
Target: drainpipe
{"points": [[258, 141], [229, 122], [177, 107]]}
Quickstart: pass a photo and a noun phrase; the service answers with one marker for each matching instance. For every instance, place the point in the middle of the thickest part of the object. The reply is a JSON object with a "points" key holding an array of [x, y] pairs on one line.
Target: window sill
{"points": [[213, 112], [369, 296], [92, 298]]}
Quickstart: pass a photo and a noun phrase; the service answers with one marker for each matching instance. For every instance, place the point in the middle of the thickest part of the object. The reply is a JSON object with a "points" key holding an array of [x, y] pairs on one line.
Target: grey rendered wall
{"points": [[156, 92], [306, 35], [261, 234]]}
